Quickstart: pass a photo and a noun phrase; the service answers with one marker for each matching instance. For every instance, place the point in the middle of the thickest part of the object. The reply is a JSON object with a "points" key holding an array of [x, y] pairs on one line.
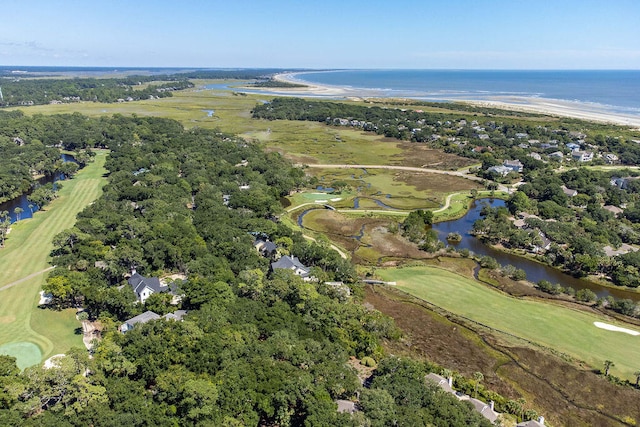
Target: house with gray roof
{"points": [[145, 317], [292, 263], [148, 316], [442, 382], [514, 165], [532, 423], [143, 287], [266, 248]]}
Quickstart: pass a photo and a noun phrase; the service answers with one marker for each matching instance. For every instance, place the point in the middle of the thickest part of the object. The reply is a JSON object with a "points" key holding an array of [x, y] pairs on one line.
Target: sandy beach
{"points": [[551, 107]]}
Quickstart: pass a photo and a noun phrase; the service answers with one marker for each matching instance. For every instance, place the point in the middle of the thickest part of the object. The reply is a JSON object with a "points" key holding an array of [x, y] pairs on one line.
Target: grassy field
{"points": [[568, 331], [26, 331]]}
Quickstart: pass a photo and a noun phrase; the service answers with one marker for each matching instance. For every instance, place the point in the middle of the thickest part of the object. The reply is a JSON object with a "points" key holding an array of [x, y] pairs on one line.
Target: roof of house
{"points": [[138, 283], [569, 192], [290, 263], [530, 423], [346, 406], [440, 381], [176, 315], [145, 317], [484, 409], [613, 209]]}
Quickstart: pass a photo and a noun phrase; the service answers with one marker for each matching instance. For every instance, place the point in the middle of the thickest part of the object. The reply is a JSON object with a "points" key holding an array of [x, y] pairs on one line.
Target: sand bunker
{"points": [[609, 327]]}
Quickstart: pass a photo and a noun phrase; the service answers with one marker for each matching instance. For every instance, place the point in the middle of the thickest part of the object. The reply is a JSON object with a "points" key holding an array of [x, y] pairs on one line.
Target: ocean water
{"points": [[617, 91]]}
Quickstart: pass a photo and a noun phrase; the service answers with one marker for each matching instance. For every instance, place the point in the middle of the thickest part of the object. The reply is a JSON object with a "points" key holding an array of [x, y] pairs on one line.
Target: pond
{"points": [[535, 271]]}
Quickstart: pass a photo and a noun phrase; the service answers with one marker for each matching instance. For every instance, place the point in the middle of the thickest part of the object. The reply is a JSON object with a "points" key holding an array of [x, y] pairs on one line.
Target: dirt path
{"points": [[31, 276], [447, 202], [462, 174], [334, 247]]}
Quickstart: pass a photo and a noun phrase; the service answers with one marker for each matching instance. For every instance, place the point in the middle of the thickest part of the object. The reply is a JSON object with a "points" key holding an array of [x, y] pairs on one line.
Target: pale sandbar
{"points": [[614, 328]]}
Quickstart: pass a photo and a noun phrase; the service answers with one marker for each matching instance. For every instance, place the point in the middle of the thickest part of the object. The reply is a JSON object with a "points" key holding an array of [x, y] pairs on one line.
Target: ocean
{"points": [[615, 91]]}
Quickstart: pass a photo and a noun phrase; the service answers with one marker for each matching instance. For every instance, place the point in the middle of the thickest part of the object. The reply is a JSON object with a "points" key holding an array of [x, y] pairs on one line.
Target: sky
{"points": [[371, 34]]}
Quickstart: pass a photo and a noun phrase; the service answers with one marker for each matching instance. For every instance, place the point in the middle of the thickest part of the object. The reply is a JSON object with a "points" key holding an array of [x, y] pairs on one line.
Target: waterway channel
{"points": [[23, 203], [535, 271]]}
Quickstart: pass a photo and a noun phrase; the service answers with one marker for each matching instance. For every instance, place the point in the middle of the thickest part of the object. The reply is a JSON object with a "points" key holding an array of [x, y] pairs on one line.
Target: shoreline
{"points": [[546, 106]]}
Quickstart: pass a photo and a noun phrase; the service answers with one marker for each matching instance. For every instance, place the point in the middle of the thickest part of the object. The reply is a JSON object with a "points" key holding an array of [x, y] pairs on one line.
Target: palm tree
{"points": [[478, 377], [637, 374], [18, 210], [608, 364]]}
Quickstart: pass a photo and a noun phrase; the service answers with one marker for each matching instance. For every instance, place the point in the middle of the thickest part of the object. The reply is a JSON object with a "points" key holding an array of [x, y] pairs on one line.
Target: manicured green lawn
{"points": [[27, 252], [566, 330]]}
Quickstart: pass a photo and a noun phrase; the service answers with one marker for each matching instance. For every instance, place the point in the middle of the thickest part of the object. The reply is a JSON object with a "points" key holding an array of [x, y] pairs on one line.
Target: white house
{"points": [[582, 156], [143, 287]]}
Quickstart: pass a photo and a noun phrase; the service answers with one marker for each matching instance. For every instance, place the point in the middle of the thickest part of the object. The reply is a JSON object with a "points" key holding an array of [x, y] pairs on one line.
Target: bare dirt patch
{"points": [[436, 183], [420, 155]]}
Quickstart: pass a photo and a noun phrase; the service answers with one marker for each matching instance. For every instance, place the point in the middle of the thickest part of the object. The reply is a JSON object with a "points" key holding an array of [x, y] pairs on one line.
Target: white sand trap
{"points": [[52, 361], [337, 199], [321, 201], [609, 327]]}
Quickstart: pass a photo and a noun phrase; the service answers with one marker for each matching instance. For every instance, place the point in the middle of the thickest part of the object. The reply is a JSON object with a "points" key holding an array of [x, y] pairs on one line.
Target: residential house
{"points": [[145, 317], [346, 406], [610, 158], [265, 248], [535, 156], [582, 156], [569, 192], [573, 146], [522, 135], [292, 263], [143, 287], [545, 243], [514, 165], [613, 209], [532, 423], [621, 183], [486, 410], [500, 170], [557, 155], [442, 382], [148, 316], [623, 249]]}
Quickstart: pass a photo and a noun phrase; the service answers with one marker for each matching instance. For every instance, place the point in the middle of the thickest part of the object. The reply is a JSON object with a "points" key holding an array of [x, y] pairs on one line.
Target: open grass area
{"points": [[565, 330], [26, 255]]}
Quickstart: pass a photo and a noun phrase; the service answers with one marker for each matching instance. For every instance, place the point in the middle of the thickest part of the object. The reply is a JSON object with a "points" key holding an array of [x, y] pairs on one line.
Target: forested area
{"points": [[44, 91], [257, 347], [478, 133]]}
